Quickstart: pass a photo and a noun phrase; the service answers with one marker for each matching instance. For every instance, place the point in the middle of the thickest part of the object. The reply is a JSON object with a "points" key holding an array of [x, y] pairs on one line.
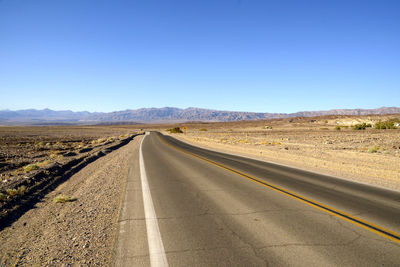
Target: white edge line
{"points": [[156, 246]]}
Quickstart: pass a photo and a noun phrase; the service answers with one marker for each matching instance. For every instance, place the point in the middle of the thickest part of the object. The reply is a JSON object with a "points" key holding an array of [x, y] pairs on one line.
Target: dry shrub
{"points": [[31, 167], [43, 163], [64, 198], [16, 191], [3, 197]]}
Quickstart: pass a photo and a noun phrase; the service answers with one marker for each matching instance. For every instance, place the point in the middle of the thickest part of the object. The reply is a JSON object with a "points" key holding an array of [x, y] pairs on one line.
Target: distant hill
{"points": [[161, 115]]}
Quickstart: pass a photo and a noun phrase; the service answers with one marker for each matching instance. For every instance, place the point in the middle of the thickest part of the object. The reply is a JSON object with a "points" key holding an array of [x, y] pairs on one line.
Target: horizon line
{"points": [[320, 110]]}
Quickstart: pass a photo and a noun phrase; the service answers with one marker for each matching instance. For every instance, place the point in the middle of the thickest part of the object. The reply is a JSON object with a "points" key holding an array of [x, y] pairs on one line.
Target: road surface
{"points": [[194, 207]]}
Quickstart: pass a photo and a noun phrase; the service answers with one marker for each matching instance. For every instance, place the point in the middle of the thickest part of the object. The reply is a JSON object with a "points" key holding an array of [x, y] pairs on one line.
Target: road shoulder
{"points": [[130, 248]]}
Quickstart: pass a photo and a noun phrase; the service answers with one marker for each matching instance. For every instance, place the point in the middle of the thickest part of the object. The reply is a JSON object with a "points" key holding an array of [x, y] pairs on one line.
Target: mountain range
{"points": [[161, 115]]}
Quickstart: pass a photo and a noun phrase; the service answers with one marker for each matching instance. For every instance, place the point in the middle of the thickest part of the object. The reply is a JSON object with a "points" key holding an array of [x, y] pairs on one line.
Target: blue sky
{"points": [[263, 56]]}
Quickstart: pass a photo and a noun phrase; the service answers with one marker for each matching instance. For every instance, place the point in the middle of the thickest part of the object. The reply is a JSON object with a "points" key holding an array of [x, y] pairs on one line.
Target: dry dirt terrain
{"points": [[24, 150], [327, 145], [76, 232], [34, 160], [81, 230]]}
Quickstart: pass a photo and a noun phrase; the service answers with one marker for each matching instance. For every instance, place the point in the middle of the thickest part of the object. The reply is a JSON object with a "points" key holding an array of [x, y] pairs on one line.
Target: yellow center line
{"points": [[340, 214]]}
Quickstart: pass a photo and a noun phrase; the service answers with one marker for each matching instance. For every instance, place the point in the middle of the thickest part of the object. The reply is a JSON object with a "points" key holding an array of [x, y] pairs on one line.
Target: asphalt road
{"points": [[205, 208]]}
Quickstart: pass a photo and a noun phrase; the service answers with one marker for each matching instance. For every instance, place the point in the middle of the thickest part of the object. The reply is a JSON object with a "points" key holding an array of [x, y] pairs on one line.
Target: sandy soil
{"points": [[79, 233], [369, 156]]}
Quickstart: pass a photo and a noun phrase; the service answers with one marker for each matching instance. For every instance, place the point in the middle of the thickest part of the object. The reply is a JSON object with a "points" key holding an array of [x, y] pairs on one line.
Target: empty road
{"points": [[193, 207]]}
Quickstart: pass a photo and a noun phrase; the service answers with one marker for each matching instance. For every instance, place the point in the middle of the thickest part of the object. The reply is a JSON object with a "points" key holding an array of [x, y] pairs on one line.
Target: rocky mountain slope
{"points": [[159, 115]]}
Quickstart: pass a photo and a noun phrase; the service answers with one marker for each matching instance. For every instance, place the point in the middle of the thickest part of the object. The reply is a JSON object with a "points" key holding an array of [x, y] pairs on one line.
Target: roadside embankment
{"points": [[22, 194]]}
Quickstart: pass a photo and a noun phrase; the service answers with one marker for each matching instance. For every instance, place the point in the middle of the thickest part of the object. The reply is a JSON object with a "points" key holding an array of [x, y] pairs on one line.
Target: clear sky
{"points": [[248, 55]]}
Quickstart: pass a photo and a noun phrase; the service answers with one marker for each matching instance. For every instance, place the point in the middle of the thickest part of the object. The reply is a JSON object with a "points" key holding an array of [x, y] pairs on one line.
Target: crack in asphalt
{"points": [[191, 250], [254, 250], [203, 249], [205, 213], [382, 240], [312, 244]]}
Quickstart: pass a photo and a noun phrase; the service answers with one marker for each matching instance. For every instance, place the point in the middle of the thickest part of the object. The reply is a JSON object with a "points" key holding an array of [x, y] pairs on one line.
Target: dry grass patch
{"points": [[373, 149], [3, 196], [16, 191], [100, 140], [53, 155], [43, 163], [31, 167], [64, 198]]}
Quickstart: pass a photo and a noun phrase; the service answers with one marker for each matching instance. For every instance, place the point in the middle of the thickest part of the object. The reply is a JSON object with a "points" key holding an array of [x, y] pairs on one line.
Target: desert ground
{"points": [[61, 190], [327, 145], [26, 149], [62, 187]]}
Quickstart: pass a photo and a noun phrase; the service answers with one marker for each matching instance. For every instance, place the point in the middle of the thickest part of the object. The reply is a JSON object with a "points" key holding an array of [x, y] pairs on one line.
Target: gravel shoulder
{"points": [[73, 233]]}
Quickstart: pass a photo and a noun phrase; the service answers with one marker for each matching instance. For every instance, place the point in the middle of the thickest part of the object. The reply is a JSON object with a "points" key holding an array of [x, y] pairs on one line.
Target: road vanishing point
{"points": [[189, 206]]}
